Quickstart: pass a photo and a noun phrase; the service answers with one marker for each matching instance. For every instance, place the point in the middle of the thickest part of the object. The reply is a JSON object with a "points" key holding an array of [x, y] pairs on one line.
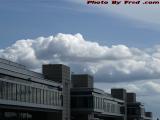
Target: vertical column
{"points": [[61, 74], [121, 94]]}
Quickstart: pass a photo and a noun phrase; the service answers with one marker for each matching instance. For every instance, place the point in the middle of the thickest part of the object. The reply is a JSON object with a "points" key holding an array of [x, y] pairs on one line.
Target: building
{"points": [[61, 74], [136, 110], [56, 94], [89, 103], [25, 94]]}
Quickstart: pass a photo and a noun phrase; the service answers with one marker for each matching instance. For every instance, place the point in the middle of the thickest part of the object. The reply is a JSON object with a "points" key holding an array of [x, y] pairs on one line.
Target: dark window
{"points": [[82, 102], [24, 93]]}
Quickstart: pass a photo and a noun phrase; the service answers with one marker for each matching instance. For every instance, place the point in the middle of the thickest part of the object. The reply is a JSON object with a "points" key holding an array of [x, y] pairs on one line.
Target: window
{"points": [[34, 95], [42, 96], [55, 97], [104, 106], [45, 96], [38, 96], [26, 93], [108, 107], [30, 95], [9, 89], [23, 93], [112, 108], [1, 90], [18, 93], [82, 102], [14, 92], [5, 92]]}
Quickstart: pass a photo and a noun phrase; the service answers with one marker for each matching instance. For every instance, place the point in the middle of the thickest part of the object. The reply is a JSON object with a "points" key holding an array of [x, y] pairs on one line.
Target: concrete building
{"points": [[89, 103], [61, 74], [95, 104], [82, 80], [136, 110], [27, 95], [120, 93]]}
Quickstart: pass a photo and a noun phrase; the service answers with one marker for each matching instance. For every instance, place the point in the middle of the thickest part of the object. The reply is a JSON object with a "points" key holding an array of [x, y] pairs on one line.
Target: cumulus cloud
{"points": [[117, 63], [142, 88]]}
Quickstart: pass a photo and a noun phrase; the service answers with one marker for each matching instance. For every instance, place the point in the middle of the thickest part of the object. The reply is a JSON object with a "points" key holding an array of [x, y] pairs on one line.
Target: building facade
{"points": [[28, 95], [136, 110], [57, 95], [61, 74], [89, 103]]}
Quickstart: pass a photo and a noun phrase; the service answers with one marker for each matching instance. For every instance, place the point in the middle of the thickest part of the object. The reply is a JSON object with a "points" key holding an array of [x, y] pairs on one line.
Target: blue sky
{"points": [[30, 19]]}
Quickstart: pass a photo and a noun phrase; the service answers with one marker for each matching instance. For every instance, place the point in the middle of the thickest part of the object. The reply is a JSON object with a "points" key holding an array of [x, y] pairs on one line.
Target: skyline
{"points": [[116, 67]]}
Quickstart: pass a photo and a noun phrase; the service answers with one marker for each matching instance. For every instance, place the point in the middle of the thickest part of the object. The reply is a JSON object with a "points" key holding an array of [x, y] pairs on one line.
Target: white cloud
{"points": [[142, 88], [110, 64]]}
